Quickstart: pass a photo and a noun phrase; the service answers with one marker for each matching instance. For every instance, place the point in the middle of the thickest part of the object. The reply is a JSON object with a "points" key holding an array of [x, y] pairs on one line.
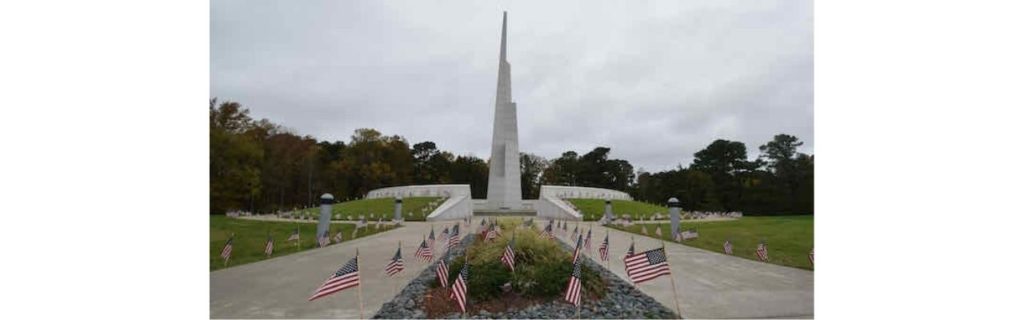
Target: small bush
{"points": [[542, 270]]}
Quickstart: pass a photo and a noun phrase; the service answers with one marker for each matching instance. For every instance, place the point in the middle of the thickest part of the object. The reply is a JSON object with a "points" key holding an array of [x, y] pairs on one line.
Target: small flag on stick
{"points": [[459, 288], [442, 270], [396, 265], [269, 248], [647, 265], [572, 293], [424, 252], [509, 257], [762, 251], [344, 278], [226, 251]]}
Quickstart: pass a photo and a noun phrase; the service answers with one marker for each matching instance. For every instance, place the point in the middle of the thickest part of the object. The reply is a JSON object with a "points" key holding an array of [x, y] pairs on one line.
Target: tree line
{"points": [[259, 166]]}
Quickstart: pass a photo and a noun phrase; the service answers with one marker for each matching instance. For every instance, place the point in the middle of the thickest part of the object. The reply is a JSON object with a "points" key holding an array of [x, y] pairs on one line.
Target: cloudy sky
{"points": [[654, 81]]}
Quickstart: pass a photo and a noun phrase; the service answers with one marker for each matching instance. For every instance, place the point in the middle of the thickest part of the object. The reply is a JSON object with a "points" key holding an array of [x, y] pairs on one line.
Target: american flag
{"points": [[643, 229], [396, 265], [344, 278], [491, 233], [324, 239], [762, 252], [811, 256], [444, 234], [226, 252], [647, 265], [572, 294], [547, 232], [269, 248], [509, 257], [576, 253], [565, 228], [460, 287], [361, 223], [430, 239], [576, 231], [424, 252], [728, 247], [604, 249], [442, 270], [453, 240], [295, 235], [657, 231], [586, 242], [337, 237]]}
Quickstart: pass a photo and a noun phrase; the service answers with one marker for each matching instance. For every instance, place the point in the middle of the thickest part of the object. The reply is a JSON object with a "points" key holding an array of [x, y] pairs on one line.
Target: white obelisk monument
{"points": [[503, 185]]}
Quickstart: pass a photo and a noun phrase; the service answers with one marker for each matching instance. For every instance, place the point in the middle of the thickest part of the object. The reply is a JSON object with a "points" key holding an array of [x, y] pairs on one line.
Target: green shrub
{"points": [[543, 268]]}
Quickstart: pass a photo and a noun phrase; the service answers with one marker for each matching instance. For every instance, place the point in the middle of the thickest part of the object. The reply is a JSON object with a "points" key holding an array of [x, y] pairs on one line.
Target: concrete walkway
{"points": [[710, 284], [279, 287]]}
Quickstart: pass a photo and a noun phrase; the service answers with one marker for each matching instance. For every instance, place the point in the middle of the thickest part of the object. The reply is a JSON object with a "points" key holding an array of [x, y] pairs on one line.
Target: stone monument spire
{"points": [[503, 185]]}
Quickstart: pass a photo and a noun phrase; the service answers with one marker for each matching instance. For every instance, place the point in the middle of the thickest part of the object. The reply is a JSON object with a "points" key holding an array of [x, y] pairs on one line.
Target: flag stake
{"points": [[360, 287], [679, 311], [394, 288]]}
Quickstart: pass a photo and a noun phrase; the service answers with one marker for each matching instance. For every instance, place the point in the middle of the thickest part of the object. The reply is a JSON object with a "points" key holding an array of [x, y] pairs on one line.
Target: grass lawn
{"points": [[593, 209], [376, 207], [789, 238], [251, 238]]}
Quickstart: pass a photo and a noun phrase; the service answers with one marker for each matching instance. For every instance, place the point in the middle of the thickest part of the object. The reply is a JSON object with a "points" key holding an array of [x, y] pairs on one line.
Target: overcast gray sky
{"points": [[654, 81]]}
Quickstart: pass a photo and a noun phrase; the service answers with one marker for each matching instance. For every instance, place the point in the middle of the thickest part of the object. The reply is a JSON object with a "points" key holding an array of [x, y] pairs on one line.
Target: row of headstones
{"points": [[238, 213], [422, 193], [589, 195], [674, 213]]}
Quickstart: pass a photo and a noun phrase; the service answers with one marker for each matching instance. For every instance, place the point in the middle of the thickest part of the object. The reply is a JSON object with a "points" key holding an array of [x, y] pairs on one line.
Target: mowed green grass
{"points": [[789, 238], [251, 238], [593, 209], [378, 207]]}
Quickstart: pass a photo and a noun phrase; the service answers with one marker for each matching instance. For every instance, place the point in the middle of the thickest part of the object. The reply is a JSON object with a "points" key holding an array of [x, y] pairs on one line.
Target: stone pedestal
{"points": [[326, 200]]}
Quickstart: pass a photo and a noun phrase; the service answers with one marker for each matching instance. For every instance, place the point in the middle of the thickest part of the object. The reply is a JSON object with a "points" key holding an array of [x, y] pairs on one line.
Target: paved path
{"points": [[279, 287], [715, 285]]}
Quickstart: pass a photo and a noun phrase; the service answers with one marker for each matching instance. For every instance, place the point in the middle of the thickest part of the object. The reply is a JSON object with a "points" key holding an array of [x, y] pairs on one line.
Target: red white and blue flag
{"points": [[269, 248], [647, 265], [226, 251], [762, 251], [459, 289], [424, 252], [727, 247], [572, 293], [491, 233], [604, 249], [295, 235], [453, 239], [442, 270], [344, 278], [509, 257], [396, 265]]}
